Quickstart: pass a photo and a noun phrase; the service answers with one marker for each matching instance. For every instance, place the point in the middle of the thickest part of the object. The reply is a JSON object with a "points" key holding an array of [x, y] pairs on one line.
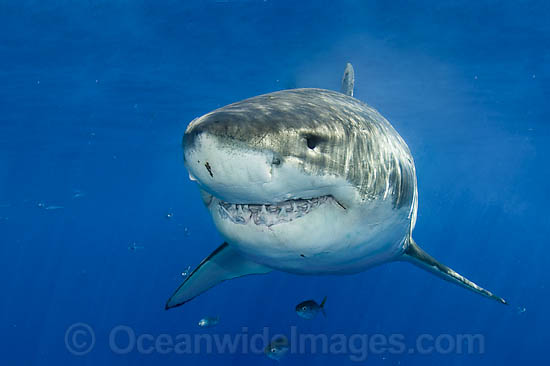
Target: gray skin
{"points": [[297, 145], [348, 80]]}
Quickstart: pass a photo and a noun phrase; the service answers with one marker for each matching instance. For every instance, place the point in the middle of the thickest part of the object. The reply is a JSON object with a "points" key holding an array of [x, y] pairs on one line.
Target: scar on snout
{"points": [[209, 168]]}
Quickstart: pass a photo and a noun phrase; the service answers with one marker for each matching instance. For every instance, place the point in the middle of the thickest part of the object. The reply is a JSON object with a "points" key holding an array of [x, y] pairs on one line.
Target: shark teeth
{"points": [[269, 215]]}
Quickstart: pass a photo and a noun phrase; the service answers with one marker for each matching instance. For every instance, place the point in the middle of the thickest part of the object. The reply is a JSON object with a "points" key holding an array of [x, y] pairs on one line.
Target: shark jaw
{"points": [[317, 235], [273, 214]]}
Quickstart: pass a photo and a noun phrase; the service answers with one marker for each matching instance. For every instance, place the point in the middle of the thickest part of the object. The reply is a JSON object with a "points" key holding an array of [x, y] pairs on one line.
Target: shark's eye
{"points": [[313, 140], [304, 308]]}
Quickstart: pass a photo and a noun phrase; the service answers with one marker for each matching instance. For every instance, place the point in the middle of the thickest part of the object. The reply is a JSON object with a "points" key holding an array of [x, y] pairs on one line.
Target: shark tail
{"points": [[414, 254]]}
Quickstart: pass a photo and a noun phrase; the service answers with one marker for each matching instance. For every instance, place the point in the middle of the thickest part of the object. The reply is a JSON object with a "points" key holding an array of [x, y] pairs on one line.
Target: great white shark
{"points": [[306, 181]]}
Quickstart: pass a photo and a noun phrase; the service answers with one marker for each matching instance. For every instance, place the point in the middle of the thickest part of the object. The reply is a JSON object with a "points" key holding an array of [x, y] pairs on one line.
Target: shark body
{"points": [[307, 181]]}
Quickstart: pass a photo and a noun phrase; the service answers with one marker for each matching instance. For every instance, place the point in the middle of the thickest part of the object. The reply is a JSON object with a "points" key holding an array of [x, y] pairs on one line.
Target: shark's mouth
{"points": [[273, 214]]}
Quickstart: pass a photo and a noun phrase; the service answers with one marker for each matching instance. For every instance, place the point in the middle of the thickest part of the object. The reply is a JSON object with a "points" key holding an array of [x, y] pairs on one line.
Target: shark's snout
{"points": [[195, 129], [228, 169]]}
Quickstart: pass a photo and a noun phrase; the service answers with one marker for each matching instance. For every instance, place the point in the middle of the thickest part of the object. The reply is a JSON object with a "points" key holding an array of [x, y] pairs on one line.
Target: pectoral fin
{"points": [[416, 255], [223, 264]]}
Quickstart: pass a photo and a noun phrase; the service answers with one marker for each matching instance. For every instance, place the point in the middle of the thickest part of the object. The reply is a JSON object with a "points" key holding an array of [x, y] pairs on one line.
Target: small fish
{"points": [[309, 309], [209, 321], [277, 349], [53, 207], [78, 194], [134, 247]]}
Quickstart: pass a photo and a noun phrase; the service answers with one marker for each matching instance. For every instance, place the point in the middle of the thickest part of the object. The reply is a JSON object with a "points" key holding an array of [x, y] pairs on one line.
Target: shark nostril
{"points": [[276, 160]]}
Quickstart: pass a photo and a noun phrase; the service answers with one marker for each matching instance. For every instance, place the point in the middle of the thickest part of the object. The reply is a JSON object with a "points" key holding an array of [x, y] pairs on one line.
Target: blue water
{"points": [[95, 97]]}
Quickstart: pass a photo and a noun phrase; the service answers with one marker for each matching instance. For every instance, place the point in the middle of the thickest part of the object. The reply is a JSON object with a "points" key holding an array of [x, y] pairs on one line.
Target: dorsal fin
{"points": [[416, 255], [348, 80]]}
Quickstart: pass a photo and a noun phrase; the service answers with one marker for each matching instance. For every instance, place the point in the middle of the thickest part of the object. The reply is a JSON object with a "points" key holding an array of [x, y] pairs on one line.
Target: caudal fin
{"points": [[416, 255], [322, 306]]}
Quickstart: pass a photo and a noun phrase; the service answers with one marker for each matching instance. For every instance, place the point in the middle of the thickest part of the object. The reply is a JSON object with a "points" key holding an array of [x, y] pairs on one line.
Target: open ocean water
{"points": [[98, 219]]}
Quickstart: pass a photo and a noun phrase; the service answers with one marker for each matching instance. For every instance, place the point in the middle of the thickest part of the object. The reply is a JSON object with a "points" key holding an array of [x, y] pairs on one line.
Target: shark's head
{"points": [[287, 177]]}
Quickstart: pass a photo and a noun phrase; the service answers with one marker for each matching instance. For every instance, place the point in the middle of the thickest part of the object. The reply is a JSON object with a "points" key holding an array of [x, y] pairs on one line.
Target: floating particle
{"points": [[186, 272]]}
